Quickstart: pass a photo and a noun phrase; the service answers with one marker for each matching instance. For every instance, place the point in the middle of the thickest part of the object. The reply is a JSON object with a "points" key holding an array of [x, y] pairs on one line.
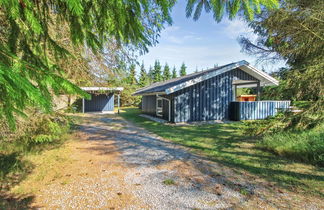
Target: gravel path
{"points": [[166, 176], [117, 165]]}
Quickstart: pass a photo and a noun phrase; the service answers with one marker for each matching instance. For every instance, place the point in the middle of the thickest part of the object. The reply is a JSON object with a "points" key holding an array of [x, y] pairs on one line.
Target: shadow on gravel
{"points": [[138, 147]]}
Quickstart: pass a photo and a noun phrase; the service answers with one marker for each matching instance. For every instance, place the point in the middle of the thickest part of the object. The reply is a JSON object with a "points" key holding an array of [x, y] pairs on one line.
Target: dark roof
{"points": [[162, 86]]}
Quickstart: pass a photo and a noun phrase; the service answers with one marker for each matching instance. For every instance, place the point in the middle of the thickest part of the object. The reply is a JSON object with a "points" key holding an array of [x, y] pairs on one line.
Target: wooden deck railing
{"points": [[255, 110]]}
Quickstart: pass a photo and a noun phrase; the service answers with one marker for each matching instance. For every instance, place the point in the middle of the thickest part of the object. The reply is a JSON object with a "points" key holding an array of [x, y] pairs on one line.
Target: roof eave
{"points": [[265, 79], [102, 88], [148, 94], [205, 77]]}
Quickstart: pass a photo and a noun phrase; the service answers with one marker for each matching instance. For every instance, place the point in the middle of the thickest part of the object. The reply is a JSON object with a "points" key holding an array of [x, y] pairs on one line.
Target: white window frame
{"points": [[159, 110]]}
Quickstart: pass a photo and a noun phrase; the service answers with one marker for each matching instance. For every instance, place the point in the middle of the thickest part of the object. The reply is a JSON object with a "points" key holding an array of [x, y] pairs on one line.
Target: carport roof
{"points": [[93, 89]]}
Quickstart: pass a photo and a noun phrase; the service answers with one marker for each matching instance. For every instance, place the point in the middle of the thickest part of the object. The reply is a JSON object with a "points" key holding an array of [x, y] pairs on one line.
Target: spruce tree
{"points": [[30, 51], [174, 72], [230, 7], [157, 72], [183, 70], [143, 79], [166, 72], [150, 74], [132, 75]]}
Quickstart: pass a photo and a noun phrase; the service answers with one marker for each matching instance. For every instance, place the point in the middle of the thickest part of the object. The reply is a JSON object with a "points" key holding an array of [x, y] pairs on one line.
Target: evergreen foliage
{"points": [[29, 70], [229, 7], [143, 78], [132, 75], [174, 72], [295, 33], [157, 72], [183, 70], [166, 72], [150, 74]]}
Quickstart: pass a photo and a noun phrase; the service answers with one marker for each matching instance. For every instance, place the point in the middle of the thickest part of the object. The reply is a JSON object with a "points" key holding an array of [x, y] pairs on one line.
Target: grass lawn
{"points": [[226, 144]]}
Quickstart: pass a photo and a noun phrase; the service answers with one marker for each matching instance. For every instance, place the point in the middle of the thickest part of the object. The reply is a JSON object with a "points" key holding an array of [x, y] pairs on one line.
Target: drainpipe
{"points": [[82, 105], [118, 101], [169, 101]]}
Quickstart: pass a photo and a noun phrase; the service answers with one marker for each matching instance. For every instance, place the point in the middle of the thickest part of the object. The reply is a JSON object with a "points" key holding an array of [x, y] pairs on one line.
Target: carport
{"points": [[102, 99]]}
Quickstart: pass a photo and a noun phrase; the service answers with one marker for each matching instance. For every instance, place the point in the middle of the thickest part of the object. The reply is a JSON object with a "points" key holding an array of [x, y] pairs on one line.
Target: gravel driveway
{"points": [[120, 166], [163, 175]]}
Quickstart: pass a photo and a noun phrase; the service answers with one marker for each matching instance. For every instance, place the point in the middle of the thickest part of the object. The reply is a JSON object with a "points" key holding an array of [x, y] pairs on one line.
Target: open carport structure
{"points": [[102, 99]]}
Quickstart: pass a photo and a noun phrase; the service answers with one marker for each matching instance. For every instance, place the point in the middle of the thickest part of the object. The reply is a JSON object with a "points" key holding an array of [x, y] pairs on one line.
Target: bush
{"points": [[33, 134], [37, 129], [307, 146]]}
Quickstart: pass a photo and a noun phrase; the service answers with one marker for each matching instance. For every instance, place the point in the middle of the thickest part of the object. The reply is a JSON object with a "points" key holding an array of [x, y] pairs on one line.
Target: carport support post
{"points": [[118, 102], [82, 105], [258, 91], [234, 92]]}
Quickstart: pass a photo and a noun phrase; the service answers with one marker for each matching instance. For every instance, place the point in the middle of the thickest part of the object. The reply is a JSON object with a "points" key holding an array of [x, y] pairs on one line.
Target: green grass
{"points": [[32, 137], [227, 145], [169, 182], [307, 146]]}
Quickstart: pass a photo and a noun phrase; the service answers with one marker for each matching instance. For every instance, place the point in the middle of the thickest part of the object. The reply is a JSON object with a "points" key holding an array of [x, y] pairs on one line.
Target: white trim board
{"points": [[265, 79], [102, 88]]}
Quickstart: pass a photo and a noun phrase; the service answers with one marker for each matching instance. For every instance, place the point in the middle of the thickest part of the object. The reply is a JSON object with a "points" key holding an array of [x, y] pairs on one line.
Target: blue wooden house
{"points": [[102, 99], [210, 95]]}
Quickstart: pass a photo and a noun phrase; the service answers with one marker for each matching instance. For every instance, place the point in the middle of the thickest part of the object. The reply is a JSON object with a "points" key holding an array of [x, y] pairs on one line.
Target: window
{"points": [[159, 107]]}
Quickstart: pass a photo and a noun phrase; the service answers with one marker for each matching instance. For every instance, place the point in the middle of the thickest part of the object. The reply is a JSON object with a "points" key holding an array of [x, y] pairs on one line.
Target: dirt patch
{"points": [[79, 175]]}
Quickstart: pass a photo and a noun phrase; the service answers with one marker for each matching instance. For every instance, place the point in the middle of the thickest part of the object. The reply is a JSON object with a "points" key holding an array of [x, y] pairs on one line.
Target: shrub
{"points": [[33, 134], [307, 146], [43, 138], [38, 129]]}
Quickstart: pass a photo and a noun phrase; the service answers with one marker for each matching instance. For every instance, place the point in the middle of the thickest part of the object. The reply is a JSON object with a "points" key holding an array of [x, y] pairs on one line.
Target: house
{"points": [[210, 95], [102, 99]]}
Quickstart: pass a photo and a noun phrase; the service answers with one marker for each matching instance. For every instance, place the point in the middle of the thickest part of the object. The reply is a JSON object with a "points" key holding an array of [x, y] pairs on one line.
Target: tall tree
{"points": [[183, 70], [229, 7], [166, 72], [294, 33], [29, 69], [150, 74], [143, 78], [174, 72], [132, 75], [157, 72]]}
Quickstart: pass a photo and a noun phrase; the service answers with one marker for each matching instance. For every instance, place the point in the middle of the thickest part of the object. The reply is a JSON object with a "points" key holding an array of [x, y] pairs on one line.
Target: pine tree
{"points": [[143, 79], [150, 74], [174, 72], [157, 73], [132, 75], [183, 70], [166, 72], [231, 7], [30, 51]]}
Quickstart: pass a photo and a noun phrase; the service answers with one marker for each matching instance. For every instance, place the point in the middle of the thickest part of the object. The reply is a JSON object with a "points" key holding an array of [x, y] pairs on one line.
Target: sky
{"points": [[201, 44]]}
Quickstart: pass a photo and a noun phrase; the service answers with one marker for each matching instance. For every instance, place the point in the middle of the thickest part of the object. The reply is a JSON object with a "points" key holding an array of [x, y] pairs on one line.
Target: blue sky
{"points": [[201, 44]]}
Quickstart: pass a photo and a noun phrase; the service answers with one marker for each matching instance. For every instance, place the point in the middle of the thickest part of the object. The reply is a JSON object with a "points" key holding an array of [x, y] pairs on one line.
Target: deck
{"points": [[256, 110]]}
